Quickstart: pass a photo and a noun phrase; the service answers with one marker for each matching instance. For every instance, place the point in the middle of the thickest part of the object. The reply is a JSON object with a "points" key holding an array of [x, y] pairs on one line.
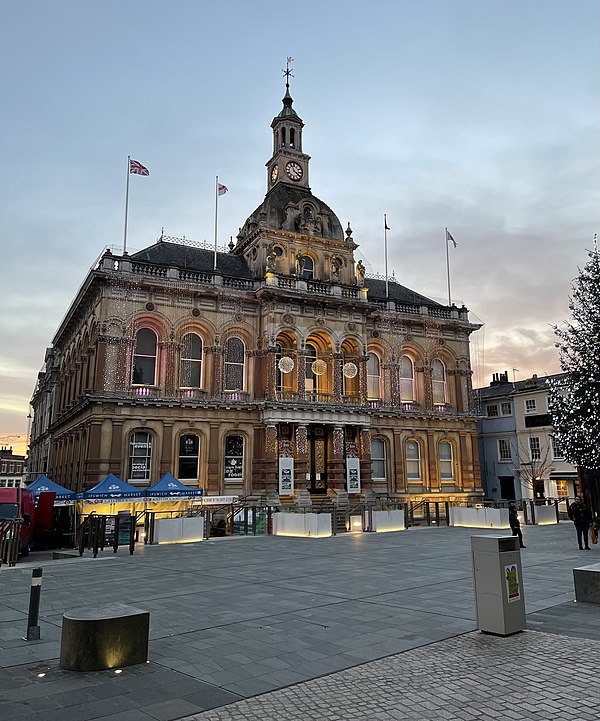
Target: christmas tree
{"points": [[575, 399]]}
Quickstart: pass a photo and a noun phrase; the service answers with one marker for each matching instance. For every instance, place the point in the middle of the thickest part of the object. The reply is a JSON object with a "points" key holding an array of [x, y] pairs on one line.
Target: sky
{"points": [[479, 116]]}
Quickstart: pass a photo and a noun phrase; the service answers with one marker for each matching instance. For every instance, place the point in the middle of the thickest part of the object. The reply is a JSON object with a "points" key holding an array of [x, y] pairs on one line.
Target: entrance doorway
{"points": [[317, 459], [507, 487]]}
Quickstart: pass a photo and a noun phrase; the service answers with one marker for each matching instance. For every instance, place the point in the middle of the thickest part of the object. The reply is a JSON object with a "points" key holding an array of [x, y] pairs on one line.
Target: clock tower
{"points": [[288, 163]]}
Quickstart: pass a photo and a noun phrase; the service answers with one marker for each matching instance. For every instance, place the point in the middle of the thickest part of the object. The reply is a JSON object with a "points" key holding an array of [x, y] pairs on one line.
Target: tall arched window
{"points": [[373, 376], [312, 380], [140, 456], [446, 464], [189, 455], [309, 268], [235, 356], [413, 460], [144, 357], [438, 380], [378, 463], [407, 379], [190, 368], [234, 458]]}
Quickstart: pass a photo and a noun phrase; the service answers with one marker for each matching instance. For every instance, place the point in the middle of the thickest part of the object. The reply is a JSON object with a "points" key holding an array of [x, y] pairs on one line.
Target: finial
{"points": [[288, 71], [230, 246], [348, 232]]}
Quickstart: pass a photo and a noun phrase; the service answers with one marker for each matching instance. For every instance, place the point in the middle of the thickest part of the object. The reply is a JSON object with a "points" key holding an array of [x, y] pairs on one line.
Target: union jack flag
{"points": [[137, 168], [221, 189]]}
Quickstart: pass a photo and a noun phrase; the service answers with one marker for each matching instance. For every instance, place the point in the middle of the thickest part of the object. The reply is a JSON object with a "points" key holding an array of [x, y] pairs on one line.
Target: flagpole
{"points": [[385, 245], [216, 216], [126, 207], [448, 268]]}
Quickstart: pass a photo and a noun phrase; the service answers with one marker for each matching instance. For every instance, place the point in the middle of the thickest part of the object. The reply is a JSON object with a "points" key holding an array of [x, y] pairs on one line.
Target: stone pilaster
{"points": [[271, 457], [335, 472], [301, 464], [365, 460]]}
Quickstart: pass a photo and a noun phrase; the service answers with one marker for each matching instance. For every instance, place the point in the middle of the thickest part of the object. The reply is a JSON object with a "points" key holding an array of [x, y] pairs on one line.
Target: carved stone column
{"points": [[301, 464], [362, 379], [270, 371], [365, 460], [391, 390], [215, 357], [167, 373], [271, 457], [338, 383], [335, 472], [398, 481], [427, 386], [301, 375]]}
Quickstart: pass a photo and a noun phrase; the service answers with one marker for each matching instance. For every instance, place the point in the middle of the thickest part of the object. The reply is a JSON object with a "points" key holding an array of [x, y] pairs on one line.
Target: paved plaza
{"points": [[373, 626]]}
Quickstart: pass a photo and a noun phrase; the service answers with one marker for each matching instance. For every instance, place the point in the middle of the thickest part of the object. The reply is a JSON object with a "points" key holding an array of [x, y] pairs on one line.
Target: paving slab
{"points": [[238, 617]]}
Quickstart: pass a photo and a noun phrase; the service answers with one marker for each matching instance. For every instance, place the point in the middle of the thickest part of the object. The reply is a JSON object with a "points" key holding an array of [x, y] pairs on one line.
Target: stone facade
{"points": [[212, 366]]}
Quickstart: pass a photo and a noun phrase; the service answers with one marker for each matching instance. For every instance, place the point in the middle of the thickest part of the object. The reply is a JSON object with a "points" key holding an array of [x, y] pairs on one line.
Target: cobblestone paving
{"points": [[237, 618], [473, 677]]}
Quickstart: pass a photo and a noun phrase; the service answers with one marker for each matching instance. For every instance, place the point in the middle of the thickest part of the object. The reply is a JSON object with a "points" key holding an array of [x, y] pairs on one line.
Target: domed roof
{"points": [[294, 208]]}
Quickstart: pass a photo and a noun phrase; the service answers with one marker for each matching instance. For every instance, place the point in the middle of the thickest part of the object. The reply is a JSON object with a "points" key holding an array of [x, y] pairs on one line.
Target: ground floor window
{"points": [[378, 459], [140, 456], [234, 458], [189, 453], [413, 460]]}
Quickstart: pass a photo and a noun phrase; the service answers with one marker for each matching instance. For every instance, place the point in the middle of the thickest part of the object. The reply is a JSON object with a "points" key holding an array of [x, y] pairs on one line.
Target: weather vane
{"points": [[288, 71]]}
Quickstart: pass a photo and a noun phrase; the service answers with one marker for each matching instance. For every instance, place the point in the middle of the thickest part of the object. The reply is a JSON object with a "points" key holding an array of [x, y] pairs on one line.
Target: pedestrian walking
{"points": [[515, 524], [581, 516]]}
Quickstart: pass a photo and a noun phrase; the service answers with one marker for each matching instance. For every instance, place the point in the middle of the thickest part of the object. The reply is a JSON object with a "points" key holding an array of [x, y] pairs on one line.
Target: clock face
{"points": [[274, 173], [293, 171]]}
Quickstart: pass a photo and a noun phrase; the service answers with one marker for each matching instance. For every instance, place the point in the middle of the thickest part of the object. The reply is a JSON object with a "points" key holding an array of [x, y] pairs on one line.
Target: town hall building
{"points": [[273, 365]]}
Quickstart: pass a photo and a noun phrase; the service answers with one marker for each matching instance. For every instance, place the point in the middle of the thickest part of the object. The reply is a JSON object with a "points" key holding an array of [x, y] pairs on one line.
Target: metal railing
{"points": [[97, 531]]}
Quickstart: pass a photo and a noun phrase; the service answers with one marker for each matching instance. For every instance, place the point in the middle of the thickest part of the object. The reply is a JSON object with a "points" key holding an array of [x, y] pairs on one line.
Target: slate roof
{"points": [[529, 385], [272, 212], [190, 258], [398, 293]]}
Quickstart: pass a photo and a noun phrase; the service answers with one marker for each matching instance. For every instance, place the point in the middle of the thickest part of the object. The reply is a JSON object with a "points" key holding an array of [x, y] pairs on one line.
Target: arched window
{"points": [[292, 137], [407, 379], [140, 456], [144, 357], [189, 455], [373, 376], [190, 368], [438, 379], [312, 380], [309, 268], [235, 356], [234, 458], [283, 136], [413, 460], [446, 464], [378, 461]]}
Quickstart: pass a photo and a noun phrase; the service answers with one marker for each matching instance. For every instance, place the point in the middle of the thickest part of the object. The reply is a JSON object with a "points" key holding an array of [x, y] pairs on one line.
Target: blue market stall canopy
{"points": [[170, 487], [113, 489], [44, 485]]}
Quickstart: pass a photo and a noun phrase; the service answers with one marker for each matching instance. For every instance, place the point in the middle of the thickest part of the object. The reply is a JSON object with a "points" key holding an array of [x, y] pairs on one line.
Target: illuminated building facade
{"points": [[218, 367]]}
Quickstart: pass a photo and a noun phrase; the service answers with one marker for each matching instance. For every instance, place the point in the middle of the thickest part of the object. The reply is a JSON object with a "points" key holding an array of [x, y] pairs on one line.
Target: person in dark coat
{"points": [[581, 516], [515, 524]]}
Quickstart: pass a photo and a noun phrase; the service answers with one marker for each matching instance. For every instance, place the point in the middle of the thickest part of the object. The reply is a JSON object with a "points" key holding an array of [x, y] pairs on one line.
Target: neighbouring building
{"points": [[274, 364], [12, 468], [519, 455]]}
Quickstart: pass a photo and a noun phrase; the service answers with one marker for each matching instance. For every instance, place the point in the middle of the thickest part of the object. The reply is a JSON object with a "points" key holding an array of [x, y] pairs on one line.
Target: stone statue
{"points": [[299, 263], [360, 273], [336, 264], [271, 258]]}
